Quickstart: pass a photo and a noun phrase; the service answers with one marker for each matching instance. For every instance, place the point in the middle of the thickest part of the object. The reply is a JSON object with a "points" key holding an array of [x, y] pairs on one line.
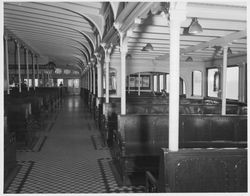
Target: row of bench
{"points": [[139, 137], [25, 114], [136, 140]]}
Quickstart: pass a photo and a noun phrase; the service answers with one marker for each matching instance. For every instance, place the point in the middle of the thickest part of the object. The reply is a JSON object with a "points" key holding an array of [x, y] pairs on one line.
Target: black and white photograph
{"points": [[139, 97]]}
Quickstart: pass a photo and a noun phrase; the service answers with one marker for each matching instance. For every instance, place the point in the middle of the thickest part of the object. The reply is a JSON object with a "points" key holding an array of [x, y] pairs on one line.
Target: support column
{"points": [[94, 81], [99, 78], [27, 68], [38, 75], [123, 51], [177, 15], [33, 72], [7, 64], [242, 82], [165, 82], [19, 67], [224, 81], [107, 64], [90, 78], [139, 84]]}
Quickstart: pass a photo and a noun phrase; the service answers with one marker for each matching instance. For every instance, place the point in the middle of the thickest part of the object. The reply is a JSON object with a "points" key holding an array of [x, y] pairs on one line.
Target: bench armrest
{"points": [[151, 183]]}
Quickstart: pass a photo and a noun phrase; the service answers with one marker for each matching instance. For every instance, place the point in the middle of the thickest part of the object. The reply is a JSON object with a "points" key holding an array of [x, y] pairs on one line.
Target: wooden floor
{"points": [[69, 157]]}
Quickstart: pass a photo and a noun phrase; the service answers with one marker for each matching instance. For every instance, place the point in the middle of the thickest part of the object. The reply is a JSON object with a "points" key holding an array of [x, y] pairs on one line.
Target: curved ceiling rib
{"points": [[59, 31]]}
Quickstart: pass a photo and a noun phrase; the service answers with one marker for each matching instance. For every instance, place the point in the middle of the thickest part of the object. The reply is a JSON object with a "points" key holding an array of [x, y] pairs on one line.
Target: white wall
{"points": [[139, 65]]}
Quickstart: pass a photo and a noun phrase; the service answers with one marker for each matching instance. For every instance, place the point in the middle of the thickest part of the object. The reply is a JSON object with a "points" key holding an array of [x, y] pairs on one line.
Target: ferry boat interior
{"points": [[124, 97]]}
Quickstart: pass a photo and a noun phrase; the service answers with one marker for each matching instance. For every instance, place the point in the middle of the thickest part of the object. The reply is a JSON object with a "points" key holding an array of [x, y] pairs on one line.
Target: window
{"points": [[161, 82], [213, 82], [58, 71], [30, 82], [59, 81], [70, 83], [67, 71], [196, 83], [155, 82], [232, 91]]}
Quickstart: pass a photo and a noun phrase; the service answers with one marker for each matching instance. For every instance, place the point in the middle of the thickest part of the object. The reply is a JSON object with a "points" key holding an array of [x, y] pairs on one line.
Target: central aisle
{"points": [[72, 159]]}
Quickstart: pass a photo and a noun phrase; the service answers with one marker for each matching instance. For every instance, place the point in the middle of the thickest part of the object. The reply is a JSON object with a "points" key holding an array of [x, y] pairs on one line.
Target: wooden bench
{"points": [[200, 170], [111, 110], [139, 137]]}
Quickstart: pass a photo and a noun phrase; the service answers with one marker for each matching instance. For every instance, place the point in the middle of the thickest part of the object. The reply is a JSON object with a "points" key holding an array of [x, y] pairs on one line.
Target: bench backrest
{"points": [[203, 170], [146, 134]]}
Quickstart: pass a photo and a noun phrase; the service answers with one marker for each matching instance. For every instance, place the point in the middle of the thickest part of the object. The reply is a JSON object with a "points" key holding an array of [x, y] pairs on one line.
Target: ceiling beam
{"points": [[23, 42], [222, 41]]}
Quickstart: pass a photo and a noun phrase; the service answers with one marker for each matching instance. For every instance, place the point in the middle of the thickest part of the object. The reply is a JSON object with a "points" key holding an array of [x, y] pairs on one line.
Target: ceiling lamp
{"points": [[148, 47], [195, 27], [229, 51], [189, 59], [128, 56]]}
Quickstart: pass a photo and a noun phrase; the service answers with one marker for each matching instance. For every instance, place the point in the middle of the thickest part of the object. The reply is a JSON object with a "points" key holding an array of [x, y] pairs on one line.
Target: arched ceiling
{"points": [[61, 31]]}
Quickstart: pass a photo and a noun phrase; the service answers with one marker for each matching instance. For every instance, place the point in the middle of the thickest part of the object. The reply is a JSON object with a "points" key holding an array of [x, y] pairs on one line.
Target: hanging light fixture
{"points": [[128, 56], [195, 27], [148, 47], [229, 51], [189, 59]]}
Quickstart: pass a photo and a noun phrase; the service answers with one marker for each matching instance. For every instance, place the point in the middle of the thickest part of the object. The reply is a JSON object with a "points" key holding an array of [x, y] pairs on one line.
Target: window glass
{"points": [[232, 91], [155, 82], [161, 82], [30, 82], [59, 81], [213, 81], [196, 83], [70, 83]]}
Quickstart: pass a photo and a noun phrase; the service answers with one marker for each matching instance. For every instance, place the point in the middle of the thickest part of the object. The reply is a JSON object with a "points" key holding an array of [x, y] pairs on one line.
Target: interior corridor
{"points": [[70, 157]]}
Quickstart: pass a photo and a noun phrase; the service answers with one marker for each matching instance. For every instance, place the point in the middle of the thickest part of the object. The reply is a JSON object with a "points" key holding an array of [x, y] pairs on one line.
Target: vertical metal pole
{"points": [[7, 64], [224, 81], [19, 67]]}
